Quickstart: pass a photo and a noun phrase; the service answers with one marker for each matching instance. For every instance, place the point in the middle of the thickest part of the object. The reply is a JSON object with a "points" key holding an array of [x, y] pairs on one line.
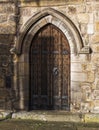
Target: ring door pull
{"points": [[55, 71]]}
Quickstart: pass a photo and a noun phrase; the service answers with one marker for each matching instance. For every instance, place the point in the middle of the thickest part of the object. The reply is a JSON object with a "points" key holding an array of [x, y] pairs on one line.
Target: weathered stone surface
{"points": [[95, 59], [7, 1], [12, 20], [85, 107], [83, 29], [2, 82], [86, 92], [78, 76], [76, 67], [97, 26], [48, 3], [90, 76], [26, 11], [90, 29], [6, 39], [79, 58], [89, 8], [83, 18], [81, 8], [7, 8], [95, 47], [3, 18], [84, 67], [72, 9], [96, 94], [7, 29], [75, 87], [91, 118], [95, 38], [47, 116]]}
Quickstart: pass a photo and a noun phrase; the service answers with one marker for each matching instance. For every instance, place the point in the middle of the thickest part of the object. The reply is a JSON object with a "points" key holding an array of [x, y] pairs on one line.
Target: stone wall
{"points": [[84, 67], [7, 34]]}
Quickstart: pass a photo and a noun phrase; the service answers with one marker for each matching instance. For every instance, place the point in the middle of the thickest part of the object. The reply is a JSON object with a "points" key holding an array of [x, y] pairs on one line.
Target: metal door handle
{"points": [[55, 71]]}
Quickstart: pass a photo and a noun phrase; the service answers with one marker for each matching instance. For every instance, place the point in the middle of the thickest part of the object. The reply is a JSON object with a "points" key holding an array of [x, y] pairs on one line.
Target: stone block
{"points": [[76, 67], [95, 38], [12, 19], [49, 3], [79, 77], [96, 109], [42, 22], [56, 22], [79, 58], [97, 26], [90, 29], [23, 69], [96, 15], [91, 18], [92, 118], [7, 8], [7, 1], [6, 39], [95, 59], [85, 86], [86, 92], [25, 11], [76, 96], [85, 107], [96, 94], [3, 18], [24, 19], [95, 47], [7, 29], [89, 7], [83, 18], [81, 9], [2, 82], [23, 81], [90, 76], [86, 67], [97, 6], [83, 29], [75, 87], [97, 84], [96, 104], [72, 9]]}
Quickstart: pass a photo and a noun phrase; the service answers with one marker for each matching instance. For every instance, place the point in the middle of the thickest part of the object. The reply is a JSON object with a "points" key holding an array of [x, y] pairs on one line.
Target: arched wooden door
{"points": [[50, 70]]}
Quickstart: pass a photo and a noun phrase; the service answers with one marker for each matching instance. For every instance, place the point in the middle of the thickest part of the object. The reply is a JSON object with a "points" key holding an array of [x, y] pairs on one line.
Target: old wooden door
{"points": [[50, 70]]}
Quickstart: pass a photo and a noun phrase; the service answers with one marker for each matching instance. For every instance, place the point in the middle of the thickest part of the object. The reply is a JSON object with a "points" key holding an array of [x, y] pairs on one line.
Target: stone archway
{"points": [[27, 32]]}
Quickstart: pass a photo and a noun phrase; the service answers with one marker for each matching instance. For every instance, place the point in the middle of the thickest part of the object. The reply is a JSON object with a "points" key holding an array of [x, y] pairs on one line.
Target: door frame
{"points": [[23, 43]]}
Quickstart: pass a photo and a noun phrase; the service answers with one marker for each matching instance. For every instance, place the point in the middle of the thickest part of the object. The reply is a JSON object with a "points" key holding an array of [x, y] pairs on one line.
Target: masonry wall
{"points": [[7, 35], [84, 67]]}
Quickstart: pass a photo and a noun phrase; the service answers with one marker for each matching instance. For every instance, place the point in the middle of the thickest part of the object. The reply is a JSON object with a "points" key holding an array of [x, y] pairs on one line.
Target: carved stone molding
{"points": [[49, 16], [85, 50]]}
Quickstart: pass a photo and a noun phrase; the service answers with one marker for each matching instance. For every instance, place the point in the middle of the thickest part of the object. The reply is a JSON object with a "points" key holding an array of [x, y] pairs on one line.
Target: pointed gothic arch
{"points": [[56, 18], [26, 35]]}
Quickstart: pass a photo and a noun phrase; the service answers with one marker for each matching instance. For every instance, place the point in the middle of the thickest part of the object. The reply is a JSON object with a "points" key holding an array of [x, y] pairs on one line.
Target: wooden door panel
{"points": [[50, 69]]}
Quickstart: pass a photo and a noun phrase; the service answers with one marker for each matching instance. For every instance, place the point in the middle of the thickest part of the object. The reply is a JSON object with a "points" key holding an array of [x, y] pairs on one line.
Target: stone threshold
{"points": [[59, 116]]}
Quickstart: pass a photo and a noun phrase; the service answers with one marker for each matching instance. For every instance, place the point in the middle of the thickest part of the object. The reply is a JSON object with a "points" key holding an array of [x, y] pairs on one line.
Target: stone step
{"points": [[55, 116], [48, 116]]}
